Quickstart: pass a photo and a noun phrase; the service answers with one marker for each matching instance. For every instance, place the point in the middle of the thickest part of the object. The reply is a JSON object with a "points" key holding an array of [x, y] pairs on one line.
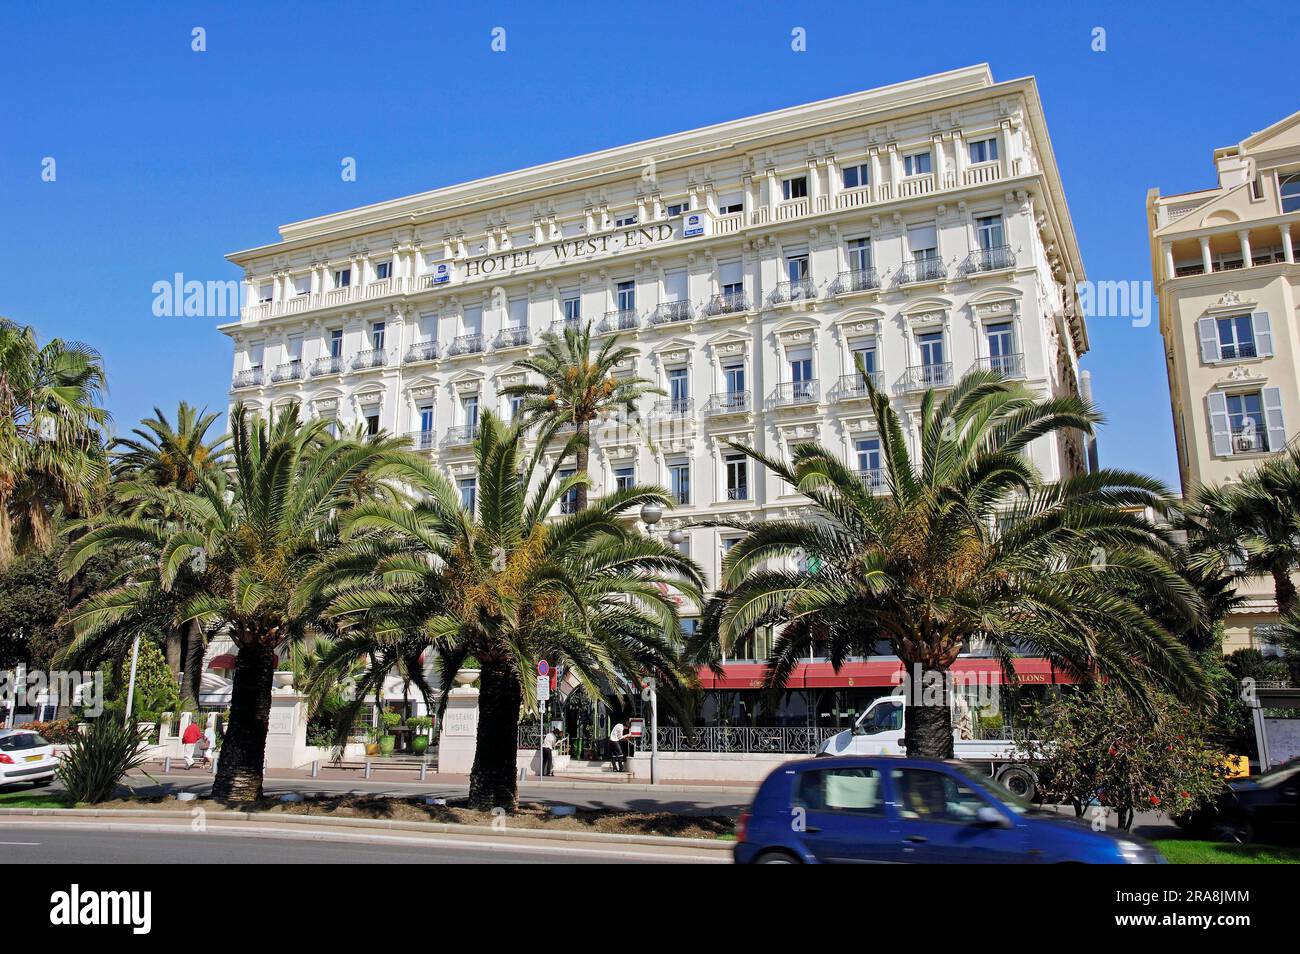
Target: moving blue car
{"points": [[917, 811]]}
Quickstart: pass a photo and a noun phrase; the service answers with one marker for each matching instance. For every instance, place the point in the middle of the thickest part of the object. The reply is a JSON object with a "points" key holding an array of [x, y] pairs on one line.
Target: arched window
{"points": [[1290, 186]]}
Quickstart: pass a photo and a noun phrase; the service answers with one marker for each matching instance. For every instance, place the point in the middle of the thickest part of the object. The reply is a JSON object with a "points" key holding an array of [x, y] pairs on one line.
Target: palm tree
{"points": [[239, 546], [508, 584], [51, 451], [965, 542], [578, 385], [170, 456]]}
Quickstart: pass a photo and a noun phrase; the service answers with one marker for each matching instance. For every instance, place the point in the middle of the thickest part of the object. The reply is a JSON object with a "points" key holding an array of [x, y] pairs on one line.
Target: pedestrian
{"points": [[548, 747], [616, 753], [192, 735]]}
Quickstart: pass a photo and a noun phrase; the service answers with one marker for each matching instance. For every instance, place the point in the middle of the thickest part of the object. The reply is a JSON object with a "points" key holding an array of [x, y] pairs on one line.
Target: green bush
{"points": [[97, 761], [391, 720], [420, 723]]}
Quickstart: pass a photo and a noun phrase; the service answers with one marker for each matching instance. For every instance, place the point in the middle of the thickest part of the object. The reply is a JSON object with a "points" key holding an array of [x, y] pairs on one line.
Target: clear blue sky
{"points": [[167, 159]]}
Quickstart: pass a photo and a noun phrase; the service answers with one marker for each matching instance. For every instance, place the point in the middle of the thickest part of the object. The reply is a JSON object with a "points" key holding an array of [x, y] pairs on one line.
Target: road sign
{"points": [[543, 688], [543, 667], [636, 728]]}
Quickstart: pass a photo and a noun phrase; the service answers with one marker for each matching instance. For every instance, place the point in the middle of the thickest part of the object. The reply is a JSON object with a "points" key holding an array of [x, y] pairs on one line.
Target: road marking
{"points": [[30, 844]]}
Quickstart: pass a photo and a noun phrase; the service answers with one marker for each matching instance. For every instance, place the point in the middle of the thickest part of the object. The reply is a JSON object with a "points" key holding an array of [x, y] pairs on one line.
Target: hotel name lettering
{"points": [[569, 250]]}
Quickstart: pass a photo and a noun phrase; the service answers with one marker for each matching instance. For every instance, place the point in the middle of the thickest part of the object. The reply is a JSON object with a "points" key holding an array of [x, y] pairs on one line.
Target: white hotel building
{"points": [[921, 225]]}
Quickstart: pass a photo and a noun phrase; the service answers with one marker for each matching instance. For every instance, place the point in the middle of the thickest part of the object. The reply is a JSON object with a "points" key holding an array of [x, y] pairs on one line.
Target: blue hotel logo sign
{"points": [[442, 273], [693, 226]]}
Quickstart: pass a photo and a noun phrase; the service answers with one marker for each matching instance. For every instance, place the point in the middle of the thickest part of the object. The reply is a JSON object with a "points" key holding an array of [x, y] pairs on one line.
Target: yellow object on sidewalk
{"points": [[1238, 766]]}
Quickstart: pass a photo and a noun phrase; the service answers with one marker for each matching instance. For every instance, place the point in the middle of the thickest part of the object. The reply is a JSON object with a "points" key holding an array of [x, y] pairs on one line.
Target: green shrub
{"points": [[420, 723], [97, 761]]}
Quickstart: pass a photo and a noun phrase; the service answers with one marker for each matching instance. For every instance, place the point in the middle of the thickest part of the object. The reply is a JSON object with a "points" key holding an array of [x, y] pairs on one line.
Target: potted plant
{"points": [[420, 726], [390, 721], [468, 672]]}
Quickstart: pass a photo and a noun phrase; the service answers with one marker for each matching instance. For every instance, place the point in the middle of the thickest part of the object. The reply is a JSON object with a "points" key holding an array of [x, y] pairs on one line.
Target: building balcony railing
{"points": [[728, 304], [795, 393], [422, 351], [739, 492], [674, 408], [373, 358], [289, 371], [513, 338], [930, 269], [1006, 365], [569, 503], [925, 376], [872, 478], [249, 378], [330, 364], [855, 280], [466, 344], [423, 440], [561, 325], [804, 289], [624, 319], [460, 435], [672, 311], [728, 402], [989, 260], [853, 387], [1245, 349], [1249, 440]]}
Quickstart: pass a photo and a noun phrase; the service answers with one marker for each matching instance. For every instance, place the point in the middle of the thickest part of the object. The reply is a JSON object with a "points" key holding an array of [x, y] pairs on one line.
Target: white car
{"points": [[25, 757]]}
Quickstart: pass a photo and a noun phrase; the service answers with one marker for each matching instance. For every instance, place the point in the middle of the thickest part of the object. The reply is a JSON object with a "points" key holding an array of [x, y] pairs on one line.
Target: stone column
{"points": [[1244, 237], [1207, 263], [1288, 252]]}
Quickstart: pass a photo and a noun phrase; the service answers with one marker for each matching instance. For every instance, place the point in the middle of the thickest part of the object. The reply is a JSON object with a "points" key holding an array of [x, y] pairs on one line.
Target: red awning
{"points": [[876, 673], [224, 661]]}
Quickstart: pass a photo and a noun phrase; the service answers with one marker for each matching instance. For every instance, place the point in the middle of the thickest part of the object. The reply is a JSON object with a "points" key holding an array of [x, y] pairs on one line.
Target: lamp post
{"points": [[651, 514]]}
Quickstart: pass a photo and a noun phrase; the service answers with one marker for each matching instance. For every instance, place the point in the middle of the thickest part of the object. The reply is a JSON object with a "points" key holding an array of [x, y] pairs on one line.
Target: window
{"points": [[426, 419], [332, 428], [568, 502], [1245, 420], [923, 795], [678, 208], [867, 450], [923, 241], [626, 296], [679, 482], [516, 406], [302, 285], [1233, 337], [855, 176], [983, 150], [860, 255], [917, 164], [383, 270], [734, 376], [679, 391], [468, 493], [796, 269], [377, 336], [931, 347], [265, 292], [624, 478], [336, 344], [1236, 337], [675, 286], [469, 407], [1001, 339], [571, 305], [625, 220], [801, 373], [856, 790], [731, 205], [988, 230], [372, 424], [795, 187], [342, 277], [737, 477], [731, 279], [1289, 186], [517, 313], [472, 320], [867, 354]]}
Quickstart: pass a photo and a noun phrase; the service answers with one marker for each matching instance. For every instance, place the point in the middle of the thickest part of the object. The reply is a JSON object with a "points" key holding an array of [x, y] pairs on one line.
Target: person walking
{"points": [[548, 749], [616, 753], [188, 739]]}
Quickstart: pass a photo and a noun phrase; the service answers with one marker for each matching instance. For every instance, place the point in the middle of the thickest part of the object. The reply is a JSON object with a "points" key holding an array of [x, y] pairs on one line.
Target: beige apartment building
{"points": [[1224, 261]]}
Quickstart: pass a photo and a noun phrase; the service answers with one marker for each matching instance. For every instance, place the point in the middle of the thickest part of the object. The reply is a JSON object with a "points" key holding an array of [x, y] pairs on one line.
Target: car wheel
{"points": [[41, 782], [776, 858], [1239, 831], [1018, 780]]}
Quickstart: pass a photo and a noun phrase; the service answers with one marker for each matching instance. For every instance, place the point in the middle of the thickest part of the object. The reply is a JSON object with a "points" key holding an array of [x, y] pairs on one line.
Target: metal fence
{"points": [[758, 740]]}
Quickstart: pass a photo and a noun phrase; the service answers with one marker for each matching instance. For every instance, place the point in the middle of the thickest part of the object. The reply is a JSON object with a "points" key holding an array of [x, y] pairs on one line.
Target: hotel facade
{"points": [[921, 227], [1226, 274]]}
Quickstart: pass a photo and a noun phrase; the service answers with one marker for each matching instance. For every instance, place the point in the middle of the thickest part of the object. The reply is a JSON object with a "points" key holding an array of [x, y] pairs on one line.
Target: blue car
{"points": [[915, 811]]}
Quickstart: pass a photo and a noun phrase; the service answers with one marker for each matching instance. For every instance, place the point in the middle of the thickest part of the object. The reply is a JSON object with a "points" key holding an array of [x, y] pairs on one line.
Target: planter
{"points": [[386, 743], [420, 744], [372, 748], [283, 679], [466, 676]]}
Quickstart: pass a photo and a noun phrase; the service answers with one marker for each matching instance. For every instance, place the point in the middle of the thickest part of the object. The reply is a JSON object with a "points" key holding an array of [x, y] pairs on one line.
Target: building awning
{"points": [[877, 673], [226, 662]]}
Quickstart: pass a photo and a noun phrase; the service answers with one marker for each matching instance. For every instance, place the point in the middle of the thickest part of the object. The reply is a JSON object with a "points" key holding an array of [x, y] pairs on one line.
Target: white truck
{"points": [[880, 729]]}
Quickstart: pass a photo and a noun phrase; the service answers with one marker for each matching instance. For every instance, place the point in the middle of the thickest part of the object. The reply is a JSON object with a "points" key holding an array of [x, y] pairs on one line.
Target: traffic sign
{"points": [[543, 688], [543, 667]]}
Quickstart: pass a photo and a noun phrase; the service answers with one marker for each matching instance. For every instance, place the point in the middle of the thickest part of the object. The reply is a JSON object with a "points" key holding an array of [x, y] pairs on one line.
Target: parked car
{"points": [[1259, 808], [25, 757], [908, 810]]}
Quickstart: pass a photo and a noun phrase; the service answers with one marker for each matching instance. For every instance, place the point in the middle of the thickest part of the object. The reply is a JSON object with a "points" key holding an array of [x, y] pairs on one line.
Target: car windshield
{"points": [[1279, 774], [1013, 802], [21, 740], [885, 717]]}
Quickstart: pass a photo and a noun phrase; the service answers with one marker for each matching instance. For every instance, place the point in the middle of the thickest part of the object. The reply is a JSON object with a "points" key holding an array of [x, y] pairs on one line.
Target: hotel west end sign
{"points": [[584, 248]]}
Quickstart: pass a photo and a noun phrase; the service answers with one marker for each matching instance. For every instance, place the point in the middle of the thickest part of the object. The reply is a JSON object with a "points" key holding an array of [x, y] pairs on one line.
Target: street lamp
{"points": [[676, 537], [651, 514]]}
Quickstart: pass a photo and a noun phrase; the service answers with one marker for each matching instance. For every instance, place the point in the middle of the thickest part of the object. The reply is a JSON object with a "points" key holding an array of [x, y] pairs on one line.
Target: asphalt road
{"points": [[24, 843]]}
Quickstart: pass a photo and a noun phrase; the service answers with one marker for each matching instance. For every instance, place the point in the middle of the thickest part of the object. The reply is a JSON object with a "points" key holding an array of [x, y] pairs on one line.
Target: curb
{"points": [[569, 784], [377, 824]]}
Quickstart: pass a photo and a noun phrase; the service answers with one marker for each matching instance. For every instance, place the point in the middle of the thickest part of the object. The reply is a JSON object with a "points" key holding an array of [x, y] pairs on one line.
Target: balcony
{"points": [[853, 387], [926, 376], [289, 371], [1004, 365], [672, 311], [785, 292], [857, 280], [728, 402], [1249, 440], [465, 344], [423, 440], [795, 394], [422, 351], [624, 319], [674, 408], [562, 325], [460, 435], [373, 358], [513, 338], [740, 492], [732, 303], [989, 260], [873, 479], [930, 269], [250, 378], [330, 364]]}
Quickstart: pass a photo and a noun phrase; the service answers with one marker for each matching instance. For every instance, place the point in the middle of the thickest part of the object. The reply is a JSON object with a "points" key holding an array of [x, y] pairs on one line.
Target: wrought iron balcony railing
{"points": [[423, 440], [671, 311], [330, 364], [624, 319], [561, 325], [856, 280], [674, 408], [739, 492], [1249, 440], [513, 337], [466, 344], [422, 351], [727, 304], [289, 371], [794, 393], [925, 376], [922, 270], [801, 290], [989, 259], [728, 402], [1006, 365], [373, 358], [853, 387], [872, 478], [460, 435], [249, 378]]}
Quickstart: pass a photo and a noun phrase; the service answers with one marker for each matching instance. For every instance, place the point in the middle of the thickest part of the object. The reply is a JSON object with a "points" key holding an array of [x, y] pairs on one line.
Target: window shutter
{"points": [[1273, 419], [1220, 437], [730, 273], [675, 285], [1263, 334], [1209, 333]]}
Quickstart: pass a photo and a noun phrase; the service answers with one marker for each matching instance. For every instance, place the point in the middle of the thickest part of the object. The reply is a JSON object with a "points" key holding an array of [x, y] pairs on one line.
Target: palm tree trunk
{"points": [[583, 462], [1283, 589], [174, 652], [243, 750], [928, 717], [492, 780], [192, 665]]}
